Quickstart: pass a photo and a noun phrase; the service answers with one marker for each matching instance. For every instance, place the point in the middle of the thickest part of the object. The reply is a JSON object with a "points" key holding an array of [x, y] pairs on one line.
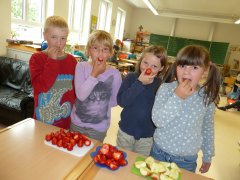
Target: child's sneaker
{"points": [[222, 108]]}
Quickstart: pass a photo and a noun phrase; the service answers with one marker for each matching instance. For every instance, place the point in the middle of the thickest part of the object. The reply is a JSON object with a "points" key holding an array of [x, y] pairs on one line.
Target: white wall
{"points": [[5, 32], [61, 8]]}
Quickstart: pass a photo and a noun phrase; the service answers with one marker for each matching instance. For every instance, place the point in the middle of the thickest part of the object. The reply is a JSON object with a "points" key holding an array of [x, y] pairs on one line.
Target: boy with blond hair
{"points": [[52, 76]]}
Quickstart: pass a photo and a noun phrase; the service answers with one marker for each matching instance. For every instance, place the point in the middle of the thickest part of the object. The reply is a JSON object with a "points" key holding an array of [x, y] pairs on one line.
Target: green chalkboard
{"points": [[218, 52], [160, 40], [175, 44], [206, 44]]}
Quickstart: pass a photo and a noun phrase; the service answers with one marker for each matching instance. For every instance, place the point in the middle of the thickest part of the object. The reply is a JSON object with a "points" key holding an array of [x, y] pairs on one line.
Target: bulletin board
{"points": [[93, 23]]}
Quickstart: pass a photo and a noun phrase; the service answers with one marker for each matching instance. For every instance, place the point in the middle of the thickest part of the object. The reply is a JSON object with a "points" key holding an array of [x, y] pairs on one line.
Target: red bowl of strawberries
{"points": [[110, 157]]}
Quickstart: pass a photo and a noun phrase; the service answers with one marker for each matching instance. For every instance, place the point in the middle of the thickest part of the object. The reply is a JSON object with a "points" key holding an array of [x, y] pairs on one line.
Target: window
{"points": [[28, 17], [104, 15], [119, 29], [79, 21]]}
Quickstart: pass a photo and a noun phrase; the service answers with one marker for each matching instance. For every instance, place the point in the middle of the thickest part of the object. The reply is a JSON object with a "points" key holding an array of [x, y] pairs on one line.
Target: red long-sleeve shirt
{"points": [[53, 88]]}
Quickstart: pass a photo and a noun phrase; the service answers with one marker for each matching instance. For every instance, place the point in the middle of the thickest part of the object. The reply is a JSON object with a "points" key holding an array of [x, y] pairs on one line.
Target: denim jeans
{"points": [[185, 162]]}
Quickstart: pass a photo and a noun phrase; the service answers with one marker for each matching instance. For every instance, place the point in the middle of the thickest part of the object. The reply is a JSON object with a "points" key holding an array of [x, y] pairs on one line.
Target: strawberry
{"points": [[112, 149], [48, 137], [118, 155], [66, 139], [84, 136], [104, 149], [122, 162], [54, 140], [102, 159], [108, 162], [60, 143], [69, 147], [64, 144], [87, 142], [61, 130], [73, 142], [113, 165], [76, 137], [80, 143], [96, 159], [148, 71]]}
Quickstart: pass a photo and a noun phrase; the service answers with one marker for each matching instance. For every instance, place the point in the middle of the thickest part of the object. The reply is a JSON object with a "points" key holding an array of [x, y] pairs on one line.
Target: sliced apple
{"points": [[140, 164], [145, 171]]}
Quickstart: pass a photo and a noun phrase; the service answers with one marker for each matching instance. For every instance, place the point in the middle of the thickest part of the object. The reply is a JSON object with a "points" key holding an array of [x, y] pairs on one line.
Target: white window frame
{"points": [[25, 23], [120, 22], [79, 22], [104, 15]]}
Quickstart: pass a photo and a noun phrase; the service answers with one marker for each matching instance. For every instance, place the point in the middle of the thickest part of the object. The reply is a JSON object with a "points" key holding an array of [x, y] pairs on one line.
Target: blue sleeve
{"points": [[116, 85], [129, 91]]}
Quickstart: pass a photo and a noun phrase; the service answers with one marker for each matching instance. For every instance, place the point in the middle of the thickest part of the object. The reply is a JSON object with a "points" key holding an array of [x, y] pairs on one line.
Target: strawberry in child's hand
{"points": [[100, 59], [148, 71]]}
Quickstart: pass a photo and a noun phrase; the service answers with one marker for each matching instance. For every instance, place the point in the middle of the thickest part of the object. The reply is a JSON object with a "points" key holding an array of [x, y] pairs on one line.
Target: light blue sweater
{"points": [[183, 126]]}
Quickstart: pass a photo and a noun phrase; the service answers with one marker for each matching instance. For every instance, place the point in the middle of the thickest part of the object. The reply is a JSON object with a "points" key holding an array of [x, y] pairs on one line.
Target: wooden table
{"points": [[23, 154], [134, 62]]}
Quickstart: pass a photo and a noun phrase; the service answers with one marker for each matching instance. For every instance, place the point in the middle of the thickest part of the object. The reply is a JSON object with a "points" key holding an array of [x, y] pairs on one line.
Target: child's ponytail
{"points": [[212, 85]]}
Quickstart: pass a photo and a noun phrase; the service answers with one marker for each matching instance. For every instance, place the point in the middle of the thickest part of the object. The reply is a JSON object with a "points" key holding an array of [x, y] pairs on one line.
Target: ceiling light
{"points": [[150, 6], [237, 21]]}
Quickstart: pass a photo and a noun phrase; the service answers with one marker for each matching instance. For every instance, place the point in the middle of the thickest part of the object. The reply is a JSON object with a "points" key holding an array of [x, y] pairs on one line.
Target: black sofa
{"points": [[16, 100]]}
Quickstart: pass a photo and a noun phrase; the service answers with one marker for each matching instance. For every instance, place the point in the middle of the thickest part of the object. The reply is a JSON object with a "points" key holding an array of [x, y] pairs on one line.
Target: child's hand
{"points": [[99, 66], [146, 79], [184, 89], [54, 52], [205, 167]]}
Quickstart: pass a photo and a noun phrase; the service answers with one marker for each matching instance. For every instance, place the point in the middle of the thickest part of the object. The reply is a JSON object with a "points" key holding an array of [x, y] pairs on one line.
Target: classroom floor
{"points": [[226, 163]]}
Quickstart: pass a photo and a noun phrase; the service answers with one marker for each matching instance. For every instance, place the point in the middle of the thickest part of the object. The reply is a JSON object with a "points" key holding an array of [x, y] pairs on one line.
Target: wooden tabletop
{"points": [[23, 154], [23, 47], [128, 61]]}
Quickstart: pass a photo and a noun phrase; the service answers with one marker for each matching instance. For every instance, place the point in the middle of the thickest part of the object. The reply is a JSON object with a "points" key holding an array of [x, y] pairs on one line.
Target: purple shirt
{"points": [[95, 97]]}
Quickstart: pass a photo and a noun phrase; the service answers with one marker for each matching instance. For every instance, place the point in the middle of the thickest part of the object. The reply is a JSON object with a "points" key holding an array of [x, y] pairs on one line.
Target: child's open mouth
{"points": [[185, 79], [100, 59]]}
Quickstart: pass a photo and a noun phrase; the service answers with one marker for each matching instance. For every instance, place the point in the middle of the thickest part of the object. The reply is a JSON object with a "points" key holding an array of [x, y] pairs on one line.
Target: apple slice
{"points": [[140, 164]]}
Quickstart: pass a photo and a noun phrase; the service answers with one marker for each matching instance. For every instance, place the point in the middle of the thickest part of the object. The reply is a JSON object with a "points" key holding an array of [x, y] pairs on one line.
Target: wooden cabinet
{"points": [[141, 41]]}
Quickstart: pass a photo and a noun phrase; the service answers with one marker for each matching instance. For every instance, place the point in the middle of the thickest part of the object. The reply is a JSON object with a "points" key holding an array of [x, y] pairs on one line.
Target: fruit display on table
{"points": [[109, 156], [152, 169], [74, 142]]}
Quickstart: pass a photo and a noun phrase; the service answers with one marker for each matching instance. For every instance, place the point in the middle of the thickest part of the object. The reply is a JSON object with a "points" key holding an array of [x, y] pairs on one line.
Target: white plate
{"points": [[77, 151]]}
